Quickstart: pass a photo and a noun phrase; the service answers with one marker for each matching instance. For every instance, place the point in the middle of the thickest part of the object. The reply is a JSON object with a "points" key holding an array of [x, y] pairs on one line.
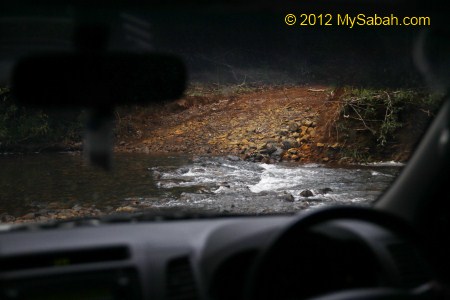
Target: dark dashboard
{"points": [[269, 257]]}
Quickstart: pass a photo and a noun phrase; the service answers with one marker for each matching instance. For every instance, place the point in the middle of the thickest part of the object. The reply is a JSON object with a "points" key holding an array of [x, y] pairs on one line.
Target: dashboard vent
{"points": [[63, 258], [411, 267], [180, 280]]}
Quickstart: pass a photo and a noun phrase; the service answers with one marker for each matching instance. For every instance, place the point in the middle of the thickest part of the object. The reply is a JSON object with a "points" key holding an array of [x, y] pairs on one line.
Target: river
{"points": [[211, 184]]}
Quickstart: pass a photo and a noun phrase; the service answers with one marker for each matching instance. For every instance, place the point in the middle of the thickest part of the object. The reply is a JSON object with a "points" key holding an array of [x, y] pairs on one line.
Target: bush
{"points": [[24, 125], [380, 112]]}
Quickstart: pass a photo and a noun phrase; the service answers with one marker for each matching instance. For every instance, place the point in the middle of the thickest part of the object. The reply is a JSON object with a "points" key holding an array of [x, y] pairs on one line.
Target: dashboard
{"points": [[266, 257]]}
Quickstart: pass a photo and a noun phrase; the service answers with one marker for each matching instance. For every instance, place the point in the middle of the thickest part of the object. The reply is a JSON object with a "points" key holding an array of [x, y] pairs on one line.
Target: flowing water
{"points": [[211, 184]]}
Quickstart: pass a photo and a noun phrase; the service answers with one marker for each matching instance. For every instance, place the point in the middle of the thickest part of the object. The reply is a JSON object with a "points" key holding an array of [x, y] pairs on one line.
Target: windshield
{"points": [[283, 112]]}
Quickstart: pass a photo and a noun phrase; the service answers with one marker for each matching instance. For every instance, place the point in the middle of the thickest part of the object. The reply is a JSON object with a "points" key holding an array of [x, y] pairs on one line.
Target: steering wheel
{"points": [[276, 275]]}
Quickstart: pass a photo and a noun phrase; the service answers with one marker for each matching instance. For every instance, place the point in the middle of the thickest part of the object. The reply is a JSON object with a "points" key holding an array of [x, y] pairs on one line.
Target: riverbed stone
{"points": [[307, 123], [277, 154], [283, 132], [324, 191], [304, 129], [127, 209], [289, 143], [293, 151], [5, 218], [233, 158], [305, 138], [29, 216], [293, 127], [306, 193], [285, 196]]}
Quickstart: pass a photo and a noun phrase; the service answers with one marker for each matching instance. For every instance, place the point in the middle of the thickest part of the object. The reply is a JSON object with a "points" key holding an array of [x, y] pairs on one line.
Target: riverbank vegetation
{"points": [[374, 123], [24, 129]]}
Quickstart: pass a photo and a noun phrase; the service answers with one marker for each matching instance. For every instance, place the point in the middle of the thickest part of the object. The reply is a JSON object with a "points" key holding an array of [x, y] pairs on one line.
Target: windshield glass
{"points": [[283, 112]]}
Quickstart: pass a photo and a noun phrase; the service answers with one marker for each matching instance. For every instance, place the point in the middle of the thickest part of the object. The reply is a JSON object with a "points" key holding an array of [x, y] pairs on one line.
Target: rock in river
{"points": [[285, 196], [324, 191], [306, 193]]}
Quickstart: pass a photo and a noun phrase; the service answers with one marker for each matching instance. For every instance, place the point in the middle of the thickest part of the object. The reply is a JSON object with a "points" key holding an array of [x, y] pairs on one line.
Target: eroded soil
{"points": [[265, 124]]}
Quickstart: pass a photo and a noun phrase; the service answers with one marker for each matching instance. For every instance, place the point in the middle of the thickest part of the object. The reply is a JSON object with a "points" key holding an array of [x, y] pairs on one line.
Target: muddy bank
{"points": [[265, 124]]}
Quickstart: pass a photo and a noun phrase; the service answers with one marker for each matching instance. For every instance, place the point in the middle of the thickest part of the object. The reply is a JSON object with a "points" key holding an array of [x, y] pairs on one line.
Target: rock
{"points": [[266, 160], [305, 138], [293, 127], [225, 184], [53, 205], [127, 209], [43, 219], [320, 145], [286, 144], [122, 143], [29, 216], [263, 151], [295, 157], [307, 123], [285, 196], [183, 170], [324, 191], [289, 143], [277, 154], [305, 147], [270, 147], [306, 193], [325, 159], [5, 218], [157, 175], [77, 207], [260, 146], [296, 135], [233, 158], [292, 151], [335, 146], [283, 132]]}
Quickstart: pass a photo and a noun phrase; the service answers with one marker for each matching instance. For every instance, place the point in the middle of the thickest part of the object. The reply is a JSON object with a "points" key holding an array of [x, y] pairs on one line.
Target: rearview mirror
{"points": [[100, 82], [103, 80]]}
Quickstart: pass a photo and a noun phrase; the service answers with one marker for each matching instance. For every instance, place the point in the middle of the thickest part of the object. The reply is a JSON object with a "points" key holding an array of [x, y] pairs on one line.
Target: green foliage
{"points": [[379, 112], [19, 125], [356, 154]]}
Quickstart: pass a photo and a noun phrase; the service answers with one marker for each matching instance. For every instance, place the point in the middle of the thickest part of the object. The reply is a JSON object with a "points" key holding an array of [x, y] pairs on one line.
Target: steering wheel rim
{"points": [[258, 279]]}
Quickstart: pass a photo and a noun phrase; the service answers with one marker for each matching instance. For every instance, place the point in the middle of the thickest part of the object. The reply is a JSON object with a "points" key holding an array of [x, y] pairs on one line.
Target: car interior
{"points": [[395, 249]]}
